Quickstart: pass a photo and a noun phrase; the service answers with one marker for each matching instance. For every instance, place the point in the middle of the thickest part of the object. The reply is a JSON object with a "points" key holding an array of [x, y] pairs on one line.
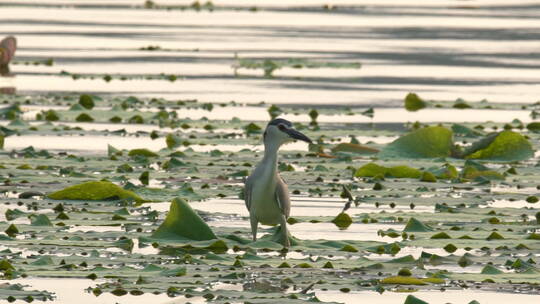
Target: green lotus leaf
{"points": [[372, 170], [534, 126], [413, 102], [428, 177], [182, 223], [354, 148], [43, 260], [490, 269], [172, 141], [461, 130], [95, 191], [403, 280], [342, 220], [86, 101], [503, 146], [414, 225], [40, 220], [142, 152], [414, 300], [447, 171], [83, 117], [429, 142], [77, 107]]}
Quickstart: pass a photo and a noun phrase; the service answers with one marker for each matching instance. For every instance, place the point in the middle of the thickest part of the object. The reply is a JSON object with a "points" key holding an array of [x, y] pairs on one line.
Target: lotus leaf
{"points": [[503, 146], [413, 102], [429, 142], [94, 190], [182, 223]]}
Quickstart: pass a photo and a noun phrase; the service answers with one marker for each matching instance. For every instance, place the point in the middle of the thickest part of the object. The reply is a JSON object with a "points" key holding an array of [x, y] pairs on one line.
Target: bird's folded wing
{"points": [[282, 197], [248, 187]]}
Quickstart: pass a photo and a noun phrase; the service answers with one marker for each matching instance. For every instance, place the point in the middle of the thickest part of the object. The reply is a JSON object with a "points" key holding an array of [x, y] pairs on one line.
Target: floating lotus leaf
{"points": [[86, 101], [354, 148], [372, 170], [44, 260], [534, 126], [172, 141], [342, 220], [12, 230], [413, 102], [402, 280], [83, 117], [277, 239], [490, 269], [77, 107], [40, 220], [142, 152], [441, 235], [94, 190], [183, 223], [503, 146], [51, 115], [428, 177], [429, 142], [461, 130], [414, 300], [447, 171], [414, 225], [470, 172]]}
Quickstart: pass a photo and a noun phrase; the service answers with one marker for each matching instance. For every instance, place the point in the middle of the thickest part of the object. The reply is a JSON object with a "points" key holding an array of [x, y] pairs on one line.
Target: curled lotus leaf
{"points": [[413, 102], [182, 223], [503, 146], [429, 142], [414, 225]]}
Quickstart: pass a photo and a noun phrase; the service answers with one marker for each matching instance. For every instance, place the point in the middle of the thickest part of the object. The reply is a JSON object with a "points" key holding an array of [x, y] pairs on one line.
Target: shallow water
{"points": [[487, 50], [76, 292], [432, 297], [434, 48]]}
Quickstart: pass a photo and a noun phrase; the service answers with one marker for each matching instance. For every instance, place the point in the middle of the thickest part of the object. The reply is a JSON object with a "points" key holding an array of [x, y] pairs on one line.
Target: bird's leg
{"points": [[254, 224], [285, 232]]}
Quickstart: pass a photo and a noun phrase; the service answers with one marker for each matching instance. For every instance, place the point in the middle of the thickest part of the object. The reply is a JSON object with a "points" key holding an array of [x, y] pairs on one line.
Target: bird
{"points": [[265, 193]]}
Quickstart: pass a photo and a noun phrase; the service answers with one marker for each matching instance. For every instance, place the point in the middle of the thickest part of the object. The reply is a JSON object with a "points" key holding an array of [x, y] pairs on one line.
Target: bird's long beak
{"points": [[298, 135]]}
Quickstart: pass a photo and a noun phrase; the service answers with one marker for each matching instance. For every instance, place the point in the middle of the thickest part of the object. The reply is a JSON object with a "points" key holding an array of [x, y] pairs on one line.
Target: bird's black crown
{"points": [[278, 121]]}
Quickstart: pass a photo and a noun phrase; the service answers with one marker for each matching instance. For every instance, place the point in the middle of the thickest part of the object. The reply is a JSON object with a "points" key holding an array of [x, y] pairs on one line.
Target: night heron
{"points": [[265, 193]]}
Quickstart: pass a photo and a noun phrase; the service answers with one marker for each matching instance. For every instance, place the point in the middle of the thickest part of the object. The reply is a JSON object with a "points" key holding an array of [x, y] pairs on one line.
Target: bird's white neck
{"points": [[270, 156]]}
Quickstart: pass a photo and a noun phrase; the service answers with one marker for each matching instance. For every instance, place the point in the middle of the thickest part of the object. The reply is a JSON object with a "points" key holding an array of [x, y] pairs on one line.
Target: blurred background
{"points": [[317, 52]]}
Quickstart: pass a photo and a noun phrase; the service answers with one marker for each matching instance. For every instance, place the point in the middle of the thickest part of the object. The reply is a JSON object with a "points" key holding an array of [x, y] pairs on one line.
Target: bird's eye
{"points": [[282, 127]]}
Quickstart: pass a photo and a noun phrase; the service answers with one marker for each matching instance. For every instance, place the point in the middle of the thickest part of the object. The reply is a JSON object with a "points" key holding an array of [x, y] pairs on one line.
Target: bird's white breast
{"points": [[263, 200]]}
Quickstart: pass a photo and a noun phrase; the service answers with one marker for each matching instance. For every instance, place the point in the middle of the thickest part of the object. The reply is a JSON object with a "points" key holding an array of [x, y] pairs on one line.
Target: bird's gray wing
{"points": [[248, 186], [282, 197]]}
